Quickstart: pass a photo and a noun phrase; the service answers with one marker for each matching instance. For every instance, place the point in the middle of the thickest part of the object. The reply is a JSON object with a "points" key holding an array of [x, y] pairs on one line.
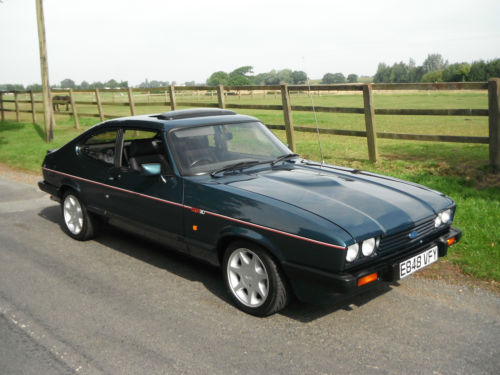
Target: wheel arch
{"points": [[68, 184], [231, 234]]}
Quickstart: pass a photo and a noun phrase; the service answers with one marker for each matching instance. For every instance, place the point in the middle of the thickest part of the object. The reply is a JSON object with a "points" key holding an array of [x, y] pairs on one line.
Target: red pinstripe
{"points": [[193, 209]]}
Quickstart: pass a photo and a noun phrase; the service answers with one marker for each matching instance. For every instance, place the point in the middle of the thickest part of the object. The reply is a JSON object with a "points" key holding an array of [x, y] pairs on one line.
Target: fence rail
{"points": [[284, 91]]}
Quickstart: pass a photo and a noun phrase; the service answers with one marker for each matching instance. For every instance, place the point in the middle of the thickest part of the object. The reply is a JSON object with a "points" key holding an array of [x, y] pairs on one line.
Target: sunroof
{"points": [[197, 112]]}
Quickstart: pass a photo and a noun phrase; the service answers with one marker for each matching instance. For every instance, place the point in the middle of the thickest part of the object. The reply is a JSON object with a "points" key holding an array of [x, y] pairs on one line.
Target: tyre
{"points": [[253, 280], [77, 221]]}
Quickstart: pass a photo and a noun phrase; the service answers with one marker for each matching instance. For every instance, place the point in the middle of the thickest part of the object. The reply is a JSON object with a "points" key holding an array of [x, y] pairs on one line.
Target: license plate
{"points": [[418, 262]]}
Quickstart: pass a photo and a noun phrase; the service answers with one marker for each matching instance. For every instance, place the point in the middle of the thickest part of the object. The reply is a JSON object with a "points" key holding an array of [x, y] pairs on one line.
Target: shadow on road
{"points": [[195, 270]]}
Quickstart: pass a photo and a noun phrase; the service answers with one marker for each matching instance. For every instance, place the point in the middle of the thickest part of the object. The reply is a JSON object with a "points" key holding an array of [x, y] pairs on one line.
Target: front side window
{"points": [[100, 146], [144, 147], [207, 148]]}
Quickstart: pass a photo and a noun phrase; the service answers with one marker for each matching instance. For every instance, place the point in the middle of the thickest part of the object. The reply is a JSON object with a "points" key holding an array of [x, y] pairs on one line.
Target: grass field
{"points": [[459, 170]]}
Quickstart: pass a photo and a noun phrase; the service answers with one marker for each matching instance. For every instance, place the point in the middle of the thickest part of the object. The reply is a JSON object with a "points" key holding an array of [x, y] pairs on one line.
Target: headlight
{"points": [[368, 247], [437, 221], [446, 216], [442, 218], [352, 252]]}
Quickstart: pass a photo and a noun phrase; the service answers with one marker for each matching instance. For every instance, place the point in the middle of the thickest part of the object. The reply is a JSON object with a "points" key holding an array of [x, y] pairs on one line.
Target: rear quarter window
{"points": [[100, 146]]}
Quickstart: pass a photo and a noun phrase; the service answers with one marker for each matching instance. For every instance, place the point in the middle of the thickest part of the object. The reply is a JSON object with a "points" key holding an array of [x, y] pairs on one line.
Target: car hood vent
{"points": [[191, 113]]}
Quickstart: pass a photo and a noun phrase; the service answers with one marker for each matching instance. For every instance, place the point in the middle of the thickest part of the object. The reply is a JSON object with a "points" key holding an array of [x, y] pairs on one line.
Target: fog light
{"points": [[368, 279], [352, 252], [368, 247]]}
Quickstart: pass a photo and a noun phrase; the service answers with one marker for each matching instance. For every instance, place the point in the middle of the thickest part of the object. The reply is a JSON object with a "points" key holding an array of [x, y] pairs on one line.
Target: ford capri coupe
{"points": [[222, 188]]}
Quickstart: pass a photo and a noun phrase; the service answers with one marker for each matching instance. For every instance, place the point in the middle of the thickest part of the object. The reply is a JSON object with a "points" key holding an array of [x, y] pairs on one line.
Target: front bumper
{"points": [[317, 286]]}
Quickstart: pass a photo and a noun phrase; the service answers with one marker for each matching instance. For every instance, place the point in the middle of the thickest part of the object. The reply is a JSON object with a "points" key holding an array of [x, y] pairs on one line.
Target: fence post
{"points": [[99, 104], [131, 101], [73, 106], [1, 106], [171, 92], [33, 110], [287, 114], [371, 134], [220, 96], [18, 118], [494, 121]]}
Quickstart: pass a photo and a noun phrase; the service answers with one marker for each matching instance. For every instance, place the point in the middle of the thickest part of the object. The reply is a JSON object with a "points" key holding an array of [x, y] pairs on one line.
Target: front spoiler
{"points": [[318, 286]]}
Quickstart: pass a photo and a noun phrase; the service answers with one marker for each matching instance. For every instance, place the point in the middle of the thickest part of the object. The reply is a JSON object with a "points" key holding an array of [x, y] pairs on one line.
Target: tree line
{"points": [[69, 84], [243, 76], [436, 69], [433, 69]]}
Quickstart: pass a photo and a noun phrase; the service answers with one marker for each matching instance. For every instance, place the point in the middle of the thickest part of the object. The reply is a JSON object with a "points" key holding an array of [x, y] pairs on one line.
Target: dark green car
{"points": [[221, 187]]}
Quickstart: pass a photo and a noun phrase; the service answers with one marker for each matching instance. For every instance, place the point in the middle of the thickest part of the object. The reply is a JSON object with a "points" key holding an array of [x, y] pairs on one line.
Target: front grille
{"points": [[426, 232]]}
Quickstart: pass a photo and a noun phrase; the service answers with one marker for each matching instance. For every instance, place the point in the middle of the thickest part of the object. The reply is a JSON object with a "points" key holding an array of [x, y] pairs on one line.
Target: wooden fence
{"points": [[370, 132]]}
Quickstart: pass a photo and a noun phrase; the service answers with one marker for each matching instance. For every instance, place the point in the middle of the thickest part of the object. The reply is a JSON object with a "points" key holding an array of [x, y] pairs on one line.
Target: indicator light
{"points": [[368, 279]]}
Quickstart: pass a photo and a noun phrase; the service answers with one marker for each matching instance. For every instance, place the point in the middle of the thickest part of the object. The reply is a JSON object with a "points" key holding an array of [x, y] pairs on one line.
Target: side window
{"points": [[101, 146], [143, 147]]}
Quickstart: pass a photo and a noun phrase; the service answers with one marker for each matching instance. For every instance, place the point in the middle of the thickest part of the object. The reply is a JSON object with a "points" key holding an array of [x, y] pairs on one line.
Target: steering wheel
{"points": [[200, 161]]}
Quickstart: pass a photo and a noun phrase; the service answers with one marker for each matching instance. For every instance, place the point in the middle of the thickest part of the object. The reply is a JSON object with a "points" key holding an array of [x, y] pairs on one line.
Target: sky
{"points": [[183, 40]]}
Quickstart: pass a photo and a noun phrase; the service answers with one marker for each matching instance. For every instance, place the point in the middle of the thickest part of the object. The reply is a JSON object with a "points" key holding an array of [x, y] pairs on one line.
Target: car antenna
{"points": [[316, 121]]}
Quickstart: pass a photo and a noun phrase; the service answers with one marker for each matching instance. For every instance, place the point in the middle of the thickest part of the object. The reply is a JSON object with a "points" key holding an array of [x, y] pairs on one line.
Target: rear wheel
{"points": [[253, 280], [77, 221]]}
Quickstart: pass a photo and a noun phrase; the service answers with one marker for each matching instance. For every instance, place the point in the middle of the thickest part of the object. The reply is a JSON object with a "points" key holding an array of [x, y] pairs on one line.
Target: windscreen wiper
{"points": [[239, 165], [283, 157]]}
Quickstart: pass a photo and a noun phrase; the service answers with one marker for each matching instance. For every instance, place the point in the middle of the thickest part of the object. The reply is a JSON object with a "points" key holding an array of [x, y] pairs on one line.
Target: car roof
{"points": [[181, 118]]}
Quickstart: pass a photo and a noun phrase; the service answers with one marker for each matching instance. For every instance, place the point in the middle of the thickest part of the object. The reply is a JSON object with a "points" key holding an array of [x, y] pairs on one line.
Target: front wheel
{"points": [[253, 280], [77, 221]]}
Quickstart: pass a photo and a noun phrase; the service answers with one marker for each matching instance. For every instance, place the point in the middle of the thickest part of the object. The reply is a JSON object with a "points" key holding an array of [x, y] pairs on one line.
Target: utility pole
{"points": [[50, 121]]}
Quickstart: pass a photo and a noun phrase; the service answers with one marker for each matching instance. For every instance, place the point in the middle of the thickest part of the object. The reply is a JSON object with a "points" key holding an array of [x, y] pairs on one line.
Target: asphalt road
{"points": [[121, 305]]}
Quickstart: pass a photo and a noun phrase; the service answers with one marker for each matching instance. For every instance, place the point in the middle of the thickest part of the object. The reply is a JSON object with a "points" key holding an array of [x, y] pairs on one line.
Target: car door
{"points": [[97, 158], [150, 205]]}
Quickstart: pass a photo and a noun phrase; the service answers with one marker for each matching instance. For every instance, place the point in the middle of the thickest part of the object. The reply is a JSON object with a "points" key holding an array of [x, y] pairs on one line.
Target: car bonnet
{"points": [[363, 205]]}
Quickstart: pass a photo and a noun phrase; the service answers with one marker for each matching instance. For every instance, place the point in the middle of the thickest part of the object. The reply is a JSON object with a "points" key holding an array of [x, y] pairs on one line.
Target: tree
{"points": [[147, 84], [34, 87], [68, 84], [416, 73], [458, 72], [400, 73], [240, 76], [12, 87], [84, 85], [434, 62], [242, 71], [330, 78], [217, 78], [383, 73], [112, 84], [435, 76], [96, 85], [259, 79], [190, 83], [239, 80], [299, 77], [352, 78], [272, 78]]}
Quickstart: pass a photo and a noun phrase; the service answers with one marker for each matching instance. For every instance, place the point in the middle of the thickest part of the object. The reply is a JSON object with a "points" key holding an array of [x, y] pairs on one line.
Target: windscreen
{"points": [[210, 147]]}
